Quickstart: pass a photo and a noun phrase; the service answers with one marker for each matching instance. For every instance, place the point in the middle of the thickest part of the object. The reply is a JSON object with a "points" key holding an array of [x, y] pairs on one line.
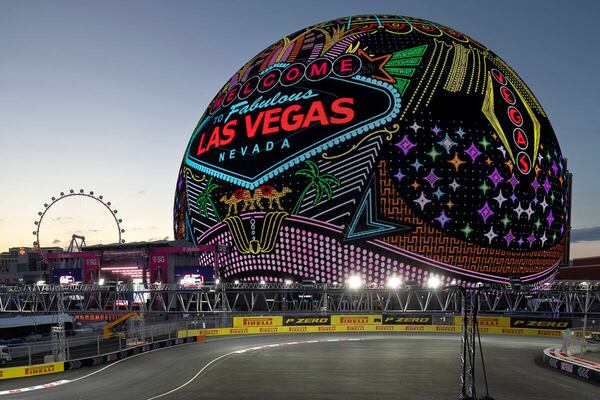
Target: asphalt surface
{"points": [[317, 366]]}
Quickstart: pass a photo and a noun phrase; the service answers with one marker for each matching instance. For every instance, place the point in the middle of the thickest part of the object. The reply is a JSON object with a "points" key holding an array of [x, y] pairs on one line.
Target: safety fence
{"points": [[96, 344], [126, 344]]}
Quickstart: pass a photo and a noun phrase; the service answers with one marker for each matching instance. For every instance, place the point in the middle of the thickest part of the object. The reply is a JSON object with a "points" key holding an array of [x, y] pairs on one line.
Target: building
{"points": [[148, 262], [377, 146], [24, 265], [581, 269]]}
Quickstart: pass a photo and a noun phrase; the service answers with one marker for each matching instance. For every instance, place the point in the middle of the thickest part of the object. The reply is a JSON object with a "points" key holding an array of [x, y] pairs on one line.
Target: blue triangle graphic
{"points": [[365, 222]]}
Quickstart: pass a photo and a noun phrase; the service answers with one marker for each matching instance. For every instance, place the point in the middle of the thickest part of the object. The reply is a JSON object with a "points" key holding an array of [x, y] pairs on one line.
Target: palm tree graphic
{"points": [[204, 200], [322, 184]]}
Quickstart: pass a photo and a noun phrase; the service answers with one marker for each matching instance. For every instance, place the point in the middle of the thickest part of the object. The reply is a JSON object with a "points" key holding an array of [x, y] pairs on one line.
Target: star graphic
{"points": [[529, 211], [415, 127], [509, 164], [443, 219], [467, 230], [460, 132], [417, 165], [519, 210], [438, 193], [505, 221], [436, 130], [500, 199], [415, 185], [544, 204], [543, 239], [484, 187], [379, 64], [433, 153], [456, 161], [399, 175], [537, 224], [422, 201], [502, 150], [484, 143], [447, 143], [454, 185], [450, 204], [488, 161], [490, 235]]}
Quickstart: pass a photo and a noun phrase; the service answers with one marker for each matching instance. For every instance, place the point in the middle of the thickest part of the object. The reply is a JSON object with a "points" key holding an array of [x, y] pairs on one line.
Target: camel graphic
{"points": [[253, 200]]}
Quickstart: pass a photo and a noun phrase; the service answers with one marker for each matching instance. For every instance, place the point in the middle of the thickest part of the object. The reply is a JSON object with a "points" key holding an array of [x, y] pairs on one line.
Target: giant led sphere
{"points": [[379, 146]]}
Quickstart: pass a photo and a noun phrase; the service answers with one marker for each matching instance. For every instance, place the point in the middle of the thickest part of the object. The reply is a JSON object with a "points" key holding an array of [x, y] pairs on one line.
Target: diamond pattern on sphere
{"points": [[513, 181], [432, 178], [405, 145], [550, 218], [535, 185], [546, 185], [485, 212], [473, 152], [509, 237], [447, 143], [495, 177]]}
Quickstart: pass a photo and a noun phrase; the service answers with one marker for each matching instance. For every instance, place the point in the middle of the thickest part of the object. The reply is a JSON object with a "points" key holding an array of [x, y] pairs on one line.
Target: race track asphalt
{"points": [[317, 366]]}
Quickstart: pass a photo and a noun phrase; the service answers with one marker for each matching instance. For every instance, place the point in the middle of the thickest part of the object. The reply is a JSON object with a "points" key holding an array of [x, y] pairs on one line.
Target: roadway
{"points": [[316, 366]]}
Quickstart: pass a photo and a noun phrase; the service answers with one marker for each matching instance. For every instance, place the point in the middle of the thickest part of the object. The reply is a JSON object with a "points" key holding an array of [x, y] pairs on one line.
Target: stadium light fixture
{"points": [[287, 282], [236, 282], [217, 281], [101, 281], [262, 282], [40, 283], [394, 282], [434, 282], [355, 282]]}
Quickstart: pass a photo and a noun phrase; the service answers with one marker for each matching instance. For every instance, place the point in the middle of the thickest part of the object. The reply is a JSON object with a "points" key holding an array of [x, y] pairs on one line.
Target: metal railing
{"points": [[97, 344]]}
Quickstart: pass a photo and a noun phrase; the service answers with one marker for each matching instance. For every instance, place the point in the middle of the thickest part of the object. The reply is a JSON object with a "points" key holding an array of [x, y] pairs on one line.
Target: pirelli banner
{"points": [[367, 319], [245, 322], [306, 320], [486, 322], [540, 323], [407, 319], [33, 370]]}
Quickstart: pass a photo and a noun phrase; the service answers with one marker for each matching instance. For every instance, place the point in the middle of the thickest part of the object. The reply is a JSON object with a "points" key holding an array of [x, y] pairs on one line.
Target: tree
{"points": [[322, 183], [204, 200]]}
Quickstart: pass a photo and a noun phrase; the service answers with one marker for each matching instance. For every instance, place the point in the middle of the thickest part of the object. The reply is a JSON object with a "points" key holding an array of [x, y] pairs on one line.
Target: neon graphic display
{"points": [[379, 146]]}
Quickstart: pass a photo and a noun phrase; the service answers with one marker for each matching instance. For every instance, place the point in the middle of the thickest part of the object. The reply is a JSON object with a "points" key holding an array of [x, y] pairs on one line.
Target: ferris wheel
{"points": [[115, 230]]}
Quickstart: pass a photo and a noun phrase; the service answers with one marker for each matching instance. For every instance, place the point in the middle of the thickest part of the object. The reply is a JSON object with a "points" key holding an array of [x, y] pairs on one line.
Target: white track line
{"points": [[112, 364], [241, 352]]}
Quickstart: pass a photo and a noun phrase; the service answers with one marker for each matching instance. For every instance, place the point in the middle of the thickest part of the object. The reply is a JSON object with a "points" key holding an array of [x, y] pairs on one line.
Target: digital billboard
{"points": [[376, 145]]}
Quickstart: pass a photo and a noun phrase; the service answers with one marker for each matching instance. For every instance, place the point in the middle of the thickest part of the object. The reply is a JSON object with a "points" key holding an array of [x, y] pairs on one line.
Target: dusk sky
{"points": [[104, 96]]}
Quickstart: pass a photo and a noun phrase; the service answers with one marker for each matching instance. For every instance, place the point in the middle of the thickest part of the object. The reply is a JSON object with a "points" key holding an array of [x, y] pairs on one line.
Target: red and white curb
{"points": [[36, 387]]}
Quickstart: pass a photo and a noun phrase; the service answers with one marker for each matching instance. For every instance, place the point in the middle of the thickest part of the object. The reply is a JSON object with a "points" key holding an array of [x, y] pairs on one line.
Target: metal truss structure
{"points": [[564, 298]]}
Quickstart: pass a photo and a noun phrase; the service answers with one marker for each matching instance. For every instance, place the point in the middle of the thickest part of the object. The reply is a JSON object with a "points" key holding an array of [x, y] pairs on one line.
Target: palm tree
{"points": [[204, 200], [322, 184]]}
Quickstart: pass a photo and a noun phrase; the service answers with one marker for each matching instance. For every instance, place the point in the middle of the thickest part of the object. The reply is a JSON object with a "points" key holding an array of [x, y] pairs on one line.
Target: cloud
{"points": [[55, 241], [585, 234], [139, 228], [59, 219], [141, 192]]}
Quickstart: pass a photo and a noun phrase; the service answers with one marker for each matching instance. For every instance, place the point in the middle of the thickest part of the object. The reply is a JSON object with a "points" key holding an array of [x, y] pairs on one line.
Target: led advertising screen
{"points": [[380, 146]]}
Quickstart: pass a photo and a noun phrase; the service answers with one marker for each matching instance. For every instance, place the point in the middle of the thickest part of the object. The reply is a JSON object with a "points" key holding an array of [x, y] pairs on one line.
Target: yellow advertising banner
{"points": [[245, 322], [490, 322], [367, 319], [33, 370]]}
